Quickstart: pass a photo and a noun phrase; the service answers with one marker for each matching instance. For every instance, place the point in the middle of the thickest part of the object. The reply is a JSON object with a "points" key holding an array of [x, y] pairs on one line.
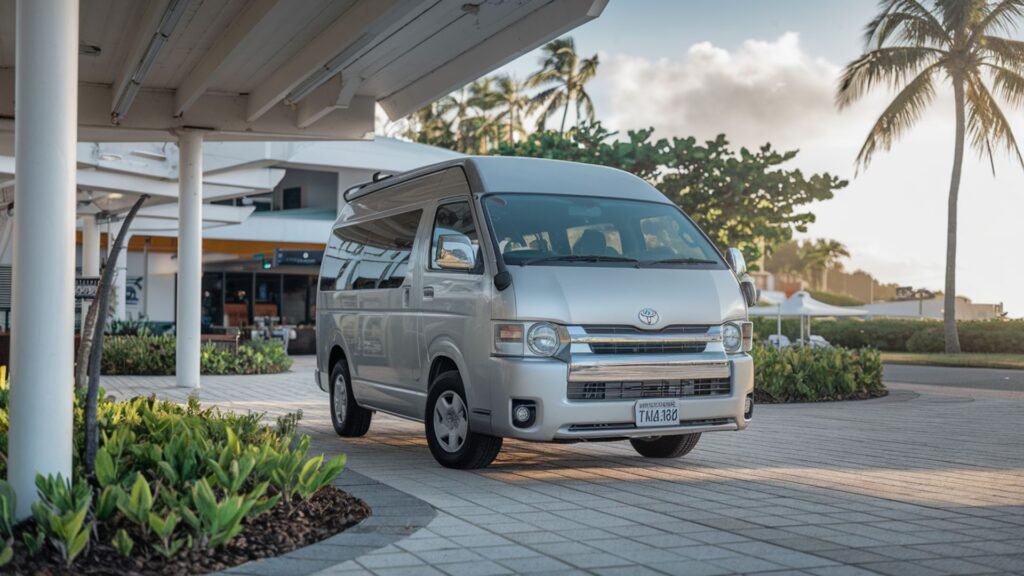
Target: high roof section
{"points": [[269, 69]]}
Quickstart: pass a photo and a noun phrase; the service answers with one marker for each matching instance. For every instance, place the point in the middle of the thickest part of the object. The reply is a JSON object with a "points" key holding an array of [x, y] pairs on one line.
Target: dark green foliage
{"points": [[978, 336], [168, 478], [814, 374], [155, 356], [739, 198]]}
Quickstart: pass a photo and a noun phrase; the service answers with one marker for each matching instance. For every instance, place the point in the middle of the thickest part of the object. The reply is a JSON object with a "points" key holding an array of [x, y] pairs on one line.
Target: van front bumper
{"points": [[545, 383]]}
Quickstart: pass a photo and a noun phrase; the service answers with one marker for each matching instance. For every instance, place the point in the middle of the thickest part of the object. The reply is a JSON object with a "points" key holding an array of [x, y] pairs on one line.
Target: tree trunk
{"points": [[949, 312], [565, 112], [101, 303], [85, 345]]}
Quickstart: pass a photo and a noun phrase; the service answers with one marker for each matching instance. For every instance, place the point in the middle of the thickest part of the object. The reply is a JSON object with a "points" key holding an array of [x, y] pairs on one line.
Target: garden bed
{"points": [[147, 355], [816, 374], [327, 513], [175, 490]]}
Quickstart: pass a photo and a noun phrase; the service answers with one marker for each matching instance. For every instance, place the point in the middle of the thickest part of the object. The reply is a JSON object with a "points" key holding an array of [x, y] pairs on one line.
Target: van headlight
{"points": [[732, 337], [543, 339], [738, 336], [527, 339]]}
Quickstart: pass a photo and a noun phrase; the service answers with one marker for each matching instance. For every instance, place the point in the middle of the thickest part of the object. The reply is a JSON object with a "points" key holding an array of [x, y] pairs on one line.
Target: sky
{"points": [[762, 71]]}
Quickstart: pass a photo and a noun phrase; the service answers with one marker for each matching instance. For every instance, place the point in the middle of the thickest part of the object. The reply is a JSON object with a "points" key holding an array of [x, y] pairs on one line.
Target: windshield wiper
{"points": [[676, 261], [578, 258]]}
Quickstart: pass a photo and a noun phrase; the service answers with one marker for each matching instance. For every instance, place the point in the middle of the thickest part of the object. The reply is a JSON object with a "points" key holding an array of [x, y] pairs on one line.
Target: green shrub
{"points": [[813, 374], [168, 479], [890, 335], [155, 356]]}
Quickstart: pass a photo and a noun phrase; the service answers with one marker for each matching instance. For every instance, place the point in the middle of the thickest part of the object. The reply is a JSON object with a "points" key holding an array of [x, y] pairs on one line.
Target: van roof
{"points": [[512, 174]]}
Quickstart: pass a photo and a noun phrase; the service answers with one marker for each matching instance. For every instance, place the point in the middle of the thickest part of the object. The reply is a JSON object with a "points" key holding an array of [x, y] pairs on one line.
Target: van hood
{"points": [[577, 295]]}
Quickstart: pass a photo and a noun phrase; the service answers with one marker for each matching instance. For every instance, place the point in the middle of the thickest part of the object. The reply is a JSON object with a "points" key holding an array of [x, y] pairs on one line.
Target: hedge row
{"points": [[815, 374], [980, 336], [145, 355]]}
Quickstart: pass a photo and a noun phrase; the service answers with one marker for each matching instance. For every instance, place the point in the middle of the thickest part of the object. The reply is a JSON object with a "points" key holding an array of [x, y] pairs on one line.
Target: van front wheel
{"points": [[349, 419], [449, 437], [665, 446]]}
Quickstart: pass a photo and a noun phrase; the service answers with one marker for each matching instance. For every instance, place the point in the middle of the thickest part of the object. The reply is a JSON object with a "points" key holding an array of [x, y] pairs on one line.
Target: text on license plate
{"points": [[657, 413]]}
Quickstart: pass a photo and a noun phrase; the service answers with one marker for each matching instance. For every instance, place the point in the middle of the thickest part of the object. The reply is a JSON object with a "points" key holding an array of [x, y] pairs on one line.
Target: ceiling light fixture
{"points": [[172, 14]]}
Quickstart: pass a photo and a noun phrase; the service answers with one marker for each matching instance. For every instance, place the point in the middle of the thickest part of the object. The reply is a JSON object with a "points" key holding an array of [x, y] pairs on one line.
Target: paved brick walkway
{"points": [[924, 482]]}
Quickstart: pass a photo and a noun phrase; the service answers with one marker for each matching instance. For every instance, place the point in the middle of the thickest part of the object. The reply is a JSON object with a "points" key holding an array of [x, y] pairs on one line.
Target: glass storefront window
{"points": [[213, 300], [237, 299], [298, 305], [268, 296]]}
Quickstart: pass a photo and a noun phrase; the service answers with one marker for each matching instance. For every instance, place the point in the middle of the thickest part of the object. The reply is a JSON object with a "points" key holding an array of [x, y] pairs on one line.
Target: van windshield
{"points": [[563, 230]]}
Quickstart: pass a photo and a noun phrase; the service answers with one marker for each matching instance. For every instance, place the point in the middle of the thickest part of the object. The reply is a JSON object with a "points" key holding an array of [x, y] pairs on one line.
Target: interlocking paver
{"points": [[917, 483]]}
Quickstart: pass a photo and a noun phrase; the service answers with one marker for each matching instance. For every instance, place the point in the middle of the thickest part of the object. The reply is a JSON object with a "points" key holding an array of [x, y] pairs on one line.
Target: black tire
{"points": [[476, 450], [354, 420], [665, 446]]}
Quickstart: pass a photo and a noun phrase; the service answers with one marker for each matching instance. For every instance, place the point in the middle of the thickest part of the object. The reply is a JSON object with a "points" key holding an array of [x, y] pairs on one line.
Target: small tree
{"points": [[92, 349]]}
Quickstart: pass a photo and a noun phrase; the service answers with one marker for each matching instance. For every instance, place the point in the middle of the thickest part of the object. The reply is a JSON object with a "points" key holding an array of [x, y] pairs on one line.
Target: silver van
{"points": [[498, 297]]}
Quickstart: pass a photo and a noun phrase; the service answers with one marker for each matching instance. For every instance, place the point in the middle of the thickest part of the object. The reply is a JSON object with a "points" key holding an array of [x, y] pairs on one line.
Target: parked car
{"points": [[534, 299]]}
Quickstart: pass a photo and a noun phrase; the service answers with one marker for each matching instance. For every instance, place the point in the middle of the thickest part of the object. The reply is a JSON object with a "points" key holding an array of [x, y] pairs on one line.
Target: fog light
{"points": [[524, 413], [748, 407]]}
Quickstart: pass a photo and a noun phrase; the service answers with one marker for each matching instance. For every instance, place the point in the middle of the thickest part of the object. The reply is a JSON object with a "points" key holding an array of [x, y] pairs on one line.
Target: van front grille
{"points": [[621, 329], [649, 389], [648, 348]]}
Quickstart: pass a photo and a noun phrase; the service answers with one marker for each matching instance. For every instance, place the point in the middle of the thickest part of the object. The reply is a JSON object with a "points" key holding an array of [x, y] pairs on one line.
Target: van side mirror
{"points": [[735, 259], [751, 294], [455, 252]]}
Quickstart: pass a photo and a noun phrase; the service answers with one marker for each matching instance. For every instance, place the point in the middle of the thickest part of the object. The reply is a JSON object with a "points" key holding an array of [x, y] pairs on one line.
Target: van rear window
{"points": [[375, 253]]}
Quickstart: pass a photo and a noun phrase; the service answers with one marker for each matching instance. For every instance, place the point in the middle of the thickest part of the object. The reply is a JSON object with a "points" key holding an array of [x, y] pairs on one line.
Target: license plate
{"points": [[656, 413]]}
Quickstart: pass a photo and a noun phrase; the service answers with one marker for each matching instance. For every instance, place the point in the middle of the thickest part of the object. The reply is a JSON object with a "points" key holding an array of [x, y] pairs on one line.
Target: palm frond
{"points": [[584, 107], [1002, 17], [986, 124], [891, 66], [1003, 52], [1008, 84], [910, 17], [960, 17], [901, 114], [587, 70]]}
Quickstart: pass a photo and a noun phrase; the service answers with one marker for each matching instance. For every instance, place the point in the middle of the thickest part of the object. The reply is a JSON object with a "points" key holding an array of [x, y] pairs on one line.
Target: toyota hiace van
{"points": [[499, 297]]}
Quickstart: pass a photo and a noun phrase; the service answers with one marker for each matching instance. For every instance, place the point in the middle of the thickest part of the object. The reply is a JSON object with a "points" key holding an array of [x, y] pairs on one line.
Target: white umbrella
{"points": [[802, 305]]}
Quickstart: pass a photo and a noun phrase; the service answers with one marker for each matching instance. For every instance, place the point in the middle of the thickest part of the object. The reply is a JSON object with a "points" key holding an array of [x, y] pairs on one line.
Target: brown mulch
{"points": [[327, 513]]}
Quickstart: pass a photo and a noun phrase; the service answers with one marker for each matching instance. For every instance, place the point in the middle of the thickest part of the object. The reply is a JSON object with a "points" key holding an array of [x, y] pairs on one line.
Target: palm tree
{"points": [[826, 255], [512, 103], [562, 75], [483, 129], [911, 47]]}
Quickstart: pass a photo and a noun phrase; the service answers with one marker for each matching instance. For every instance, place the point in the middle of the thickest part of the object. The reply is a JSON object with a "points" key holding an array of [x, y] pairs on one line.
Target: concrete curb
{"points": [[395, 515]]}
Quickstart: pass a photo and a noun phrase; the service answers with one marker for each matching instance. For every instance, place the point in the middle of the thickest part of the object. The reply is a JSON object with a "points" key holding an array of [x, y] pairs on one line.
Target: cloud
{"points": [[893, 215], [763, 90]]}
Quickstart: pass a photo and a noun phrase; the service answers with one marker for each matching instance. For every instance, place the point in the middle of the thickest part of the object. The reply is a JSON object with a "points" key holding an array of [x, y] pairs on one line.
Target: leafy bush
{"points": [[155, 356], [980, 336], [169, 479], [813, 374]]}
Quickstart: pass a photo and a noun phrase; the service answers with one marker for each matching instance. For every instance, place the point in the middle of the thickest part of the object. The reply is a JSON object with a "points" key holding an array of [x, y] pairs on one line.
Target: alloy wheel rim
{"points": [[451, 422], [340, 399]]}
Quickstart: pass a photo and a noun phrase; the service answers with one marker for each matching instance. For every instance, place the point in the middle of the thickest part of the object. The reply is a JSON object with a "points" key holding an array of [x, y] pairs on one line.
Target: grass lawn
{"points": [[965, 360]]}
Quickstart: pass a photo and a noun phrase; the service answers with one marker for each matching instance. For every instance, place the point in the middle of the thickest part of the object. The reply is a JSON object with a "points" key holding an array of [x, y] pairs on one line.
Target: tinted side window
{"points": [[375, 247], [455, 218], [334, 264]]}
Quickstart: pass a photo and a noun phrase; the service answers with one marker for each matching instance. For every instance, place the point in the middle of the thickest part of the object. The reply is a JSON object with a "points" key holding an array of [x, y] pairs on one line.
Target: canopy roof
{"points": [[802, 304], [268, 69]]}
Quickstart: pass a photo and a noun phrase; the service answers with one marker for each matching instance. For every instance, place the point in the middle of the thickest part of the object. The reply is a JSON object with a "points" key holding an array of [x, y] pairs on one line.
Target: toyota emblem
{"points": [[648, 316]]}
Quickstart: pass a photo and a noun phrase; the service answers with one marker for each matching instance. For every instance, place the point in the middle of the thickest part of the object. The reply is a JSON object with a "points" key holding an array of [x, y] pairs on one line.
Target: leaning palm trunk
{"points": [[949, 311], [101, 303], [84, 347]]}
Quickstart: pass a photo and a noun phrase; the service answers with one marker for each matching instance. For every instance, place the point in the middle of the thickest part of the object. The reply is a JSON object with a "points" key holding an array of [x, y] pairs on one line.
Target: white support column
{"points": [[42, 355], [90, 247], [190, 256]]}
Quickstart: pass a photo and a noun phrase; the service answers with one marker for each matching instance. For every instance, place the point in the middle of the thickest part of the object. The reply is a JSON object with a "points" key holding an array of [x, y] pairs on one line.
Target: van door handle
{"points": [[405, 297], [428, 291]]}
